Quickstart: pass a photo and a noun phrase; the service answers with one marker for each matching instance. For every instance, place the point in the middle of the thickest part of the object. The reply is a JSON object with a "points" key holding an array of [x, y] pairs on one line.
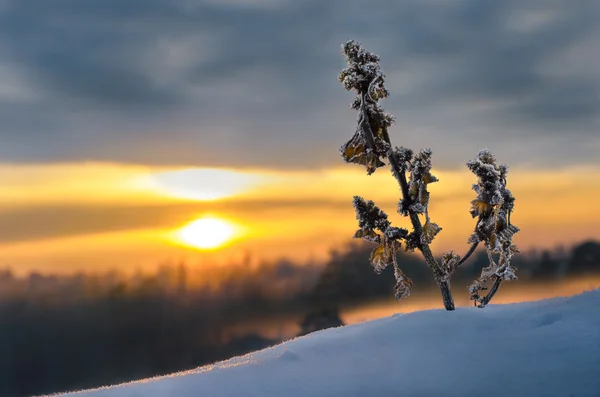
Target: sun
{"points": [[207, 233]]}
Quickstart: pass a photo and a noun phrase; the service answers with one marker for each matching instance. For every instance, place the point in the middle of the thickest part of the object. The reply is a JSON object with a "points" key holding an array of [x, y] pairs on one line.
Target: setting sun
{"points": [[207, 233]]}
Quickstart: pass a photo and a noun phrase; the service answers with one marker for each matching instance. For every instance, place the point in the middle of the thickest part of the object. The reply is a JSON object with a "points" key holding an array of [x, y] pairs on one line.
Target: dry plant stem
{"points": [[425, 250], [468, 254], [491, 293], [399, 171], [497, 281]]}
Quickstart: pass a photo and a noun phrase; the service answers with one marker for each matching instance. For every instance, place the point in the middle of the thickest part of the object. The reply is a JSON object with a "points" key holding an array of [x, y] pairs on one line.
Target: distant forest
{"points": [[61, 333]]}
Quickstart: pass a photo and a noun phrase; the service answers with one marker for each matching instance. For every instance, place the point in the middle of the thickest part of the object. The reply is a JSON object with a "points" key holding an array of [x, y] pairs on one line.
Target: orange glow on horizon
{"points": [[92, 215]]}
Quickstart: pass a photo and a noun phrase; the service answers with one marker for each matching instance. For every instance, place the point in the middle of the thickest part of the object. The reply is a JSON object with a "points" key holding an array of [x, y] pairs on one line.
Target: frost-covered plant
{"points": [[370, 146], [492, 207]]}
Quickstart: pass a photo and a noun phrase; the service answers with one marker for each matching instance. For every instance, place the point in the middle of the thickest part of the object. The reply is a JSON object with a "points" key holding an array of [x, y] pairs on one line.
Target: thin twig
{"points": [[497, 280], [468, 254], [486, 299]]}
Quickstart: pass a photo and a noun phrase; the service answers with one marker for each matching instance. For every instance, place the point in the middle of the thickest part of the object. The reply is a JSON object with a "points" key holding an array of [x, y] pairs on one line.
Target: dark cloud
{"points": [[254, 83]]}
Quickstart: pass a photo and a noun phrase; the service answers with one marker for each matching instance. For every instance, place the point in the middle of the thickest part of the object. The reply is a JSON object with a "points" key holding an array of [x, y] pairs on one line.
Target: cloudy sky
{"points": [[139, 87]]}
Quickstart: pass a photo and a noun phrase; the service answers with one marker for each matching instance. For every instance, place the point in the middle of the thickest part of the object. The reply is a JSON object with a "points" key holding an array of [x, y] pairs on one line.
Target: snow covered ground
{"points": [[544, 348]]}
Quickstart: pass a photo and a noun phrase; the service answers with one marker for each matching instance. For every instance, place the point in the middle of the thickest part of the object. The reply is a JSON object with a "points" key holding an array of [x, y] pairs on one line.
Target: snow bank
{"points": [[544, 348]]}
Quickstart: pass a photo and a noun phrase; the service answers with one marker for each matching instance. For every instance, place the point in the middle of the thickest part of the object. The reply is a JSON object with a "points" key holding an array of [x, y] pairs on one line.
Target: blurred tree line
{"points": [[348, 278], [60, 333]]}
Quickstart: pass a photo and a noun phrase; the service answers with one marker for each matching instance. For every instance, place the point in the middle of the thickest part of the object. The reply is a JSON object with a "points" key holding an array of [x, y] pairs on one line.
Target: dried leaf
{"points": [[428, 178], [430, 230], [360, 233], [403, 285], [383, 256], [449, 264], [413, 191], [480, 207], [396, 233], [424, 198], [355, 151], [351, 150], [369, 215], [358, 154], [368, 235]]}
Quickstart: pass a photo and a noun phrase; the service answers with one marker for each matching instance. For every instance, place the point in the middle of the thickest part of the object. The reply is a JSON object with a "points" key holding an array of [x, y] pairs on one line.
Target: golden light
{"points": [[204, 184], [207, 233]]}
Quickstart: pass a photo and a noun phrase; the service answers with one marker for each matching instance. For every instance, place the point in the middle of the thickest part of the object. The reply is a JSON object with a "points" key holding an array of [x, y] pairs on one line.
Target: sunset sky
{"points": [[124, 121]]}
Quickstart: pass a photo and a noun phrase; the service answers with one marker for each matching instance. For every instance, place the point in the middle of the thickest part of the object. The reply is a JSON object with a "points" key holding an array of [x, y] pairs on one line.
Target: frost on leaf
{"points": [[370, 218], [374, 226], [370, 142], [369, 235], [450, 262], [396, 233], [492, 207], [403, 155], [420, 177], [384, 255], [430, 230], [403, 285], [357, 150], [493, 204], [362, 70], [496, 272]]}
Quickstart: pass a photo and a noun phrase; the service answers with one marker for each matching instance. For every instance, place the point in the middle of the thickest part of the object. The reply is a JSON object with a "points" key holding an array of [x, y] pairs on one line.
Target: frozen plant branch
{"points": [[492, 206], [371, 147]]}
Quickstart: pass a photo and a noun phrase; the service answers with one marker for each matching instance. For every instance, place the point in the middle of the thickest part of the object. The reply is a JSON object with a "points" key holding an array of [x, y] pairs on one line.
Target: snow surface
{"points": [[544, 348]]}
